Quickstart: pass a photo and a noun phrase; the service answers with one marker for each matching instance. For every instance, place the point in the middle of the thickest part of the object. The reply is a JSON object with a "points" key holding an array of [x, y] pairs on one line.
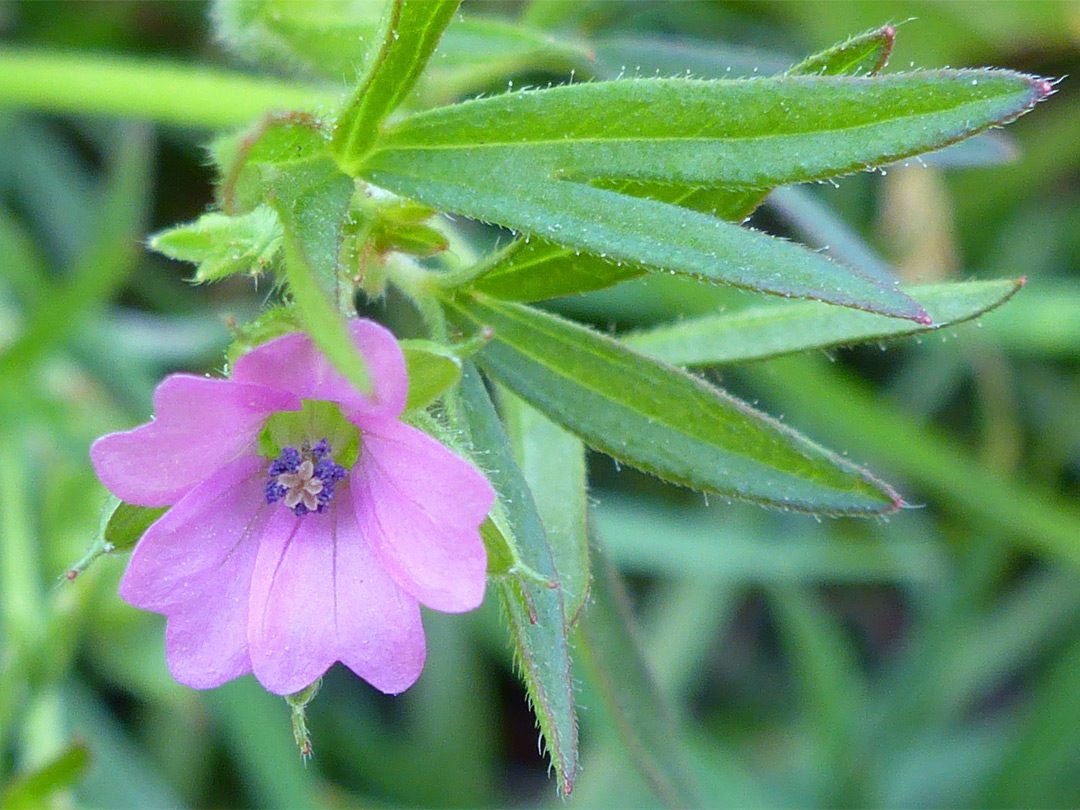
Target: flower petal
{"points": [[195, 565], [421, 507], [293, 363], [200, 424], [319, 595]]}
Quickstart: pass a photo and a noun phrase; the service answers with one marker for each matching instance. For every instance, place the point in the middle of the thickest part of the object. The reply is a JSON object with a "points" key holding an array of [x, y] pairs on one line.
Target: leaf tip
{"points": [[1043, 88]]}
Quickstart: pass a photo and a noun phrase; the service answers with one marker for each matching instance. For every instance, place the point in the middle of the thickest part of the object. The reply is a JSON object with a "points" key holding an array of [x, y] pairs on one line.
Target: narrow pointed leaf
{"points": [[762, 332], [660, 419], [221, 245], [411, 30], [313, 210], [659, 236], [861, 55], [285, 164], [536, 613], [553, 463], [537, 269], [644, 719], [756, 132]]}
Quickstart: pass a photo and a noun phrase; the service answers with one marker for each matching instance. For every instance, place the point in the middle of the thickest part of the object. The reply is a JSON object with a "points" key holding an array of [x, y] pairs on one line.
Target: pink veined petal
{"points": [[195, 565], [421, 507], [200, 425], [295, 364], [318, 596]]}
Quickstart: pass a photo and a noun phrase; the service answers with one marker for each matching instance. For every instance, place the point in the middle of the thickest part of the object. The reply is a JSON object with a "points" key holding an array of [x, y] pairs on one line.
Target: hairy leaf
{"points": [[410, 32], [761, 332], [757, 132], [536, 613], [861, 55], [659, 236], [553, 463], [221, 245], [660, 419], [532, 270], [285, 164]]}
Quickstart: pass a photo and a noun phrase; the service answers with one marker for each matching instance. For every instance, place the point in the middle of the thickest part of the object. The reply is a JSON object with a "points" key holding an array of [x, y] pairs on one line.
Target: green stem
{"points": [[97, 84]]}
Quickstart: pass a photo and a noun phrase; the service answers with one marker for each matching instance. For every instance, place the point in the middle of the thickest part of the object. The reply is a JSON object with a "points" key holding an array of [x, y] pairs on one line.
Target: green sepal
{"points": [[433, 370], [122, 526]]}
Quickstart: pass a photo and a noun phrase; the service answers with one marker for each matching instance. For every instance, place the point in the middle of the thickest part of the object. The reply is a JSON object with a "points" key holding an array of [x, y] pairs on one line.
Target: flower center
{"points": [[304, 479]]}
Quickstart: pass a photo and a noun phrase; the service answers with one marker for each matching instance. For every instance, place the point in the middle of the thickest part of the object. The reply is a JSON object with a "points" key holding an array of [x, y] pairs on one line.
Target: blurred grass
{"points": [[931, 660]]}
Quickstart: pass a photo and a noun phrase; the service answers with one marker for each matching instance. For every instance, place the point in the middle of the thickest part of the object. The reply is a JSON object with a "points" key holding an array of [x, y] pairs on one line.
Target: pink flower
{"points": [[278, 559]]}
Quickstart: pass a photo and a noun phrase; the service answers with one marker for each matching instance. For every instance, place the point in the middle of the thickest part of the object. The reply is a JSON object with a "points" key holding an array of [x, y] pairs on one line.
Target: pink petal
{"points": [[320, 595], [200, 424], [293, 363], [421, 507], [195, 564]]}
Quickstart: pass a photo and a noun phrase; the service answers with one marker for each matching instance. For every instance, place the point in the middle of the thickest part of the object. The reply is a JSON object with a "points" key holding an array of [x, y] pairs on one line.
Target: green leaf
{"points": [[536, 613], [410, 31], [253, 162], [533, 270], [433, 370], [35, 789], [221, 245], [761, 332], [606, 638], [751, 133], [660, 419], [553, 463], [757, 133], [285, 163], [536, 269], [659, 236], [864, 54]]}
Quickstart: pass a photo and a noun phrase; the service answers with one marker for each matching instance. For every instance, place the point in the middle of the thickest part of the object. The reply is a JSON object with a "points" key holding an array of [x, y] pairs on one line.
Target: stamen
{"points": [[304, 479]]}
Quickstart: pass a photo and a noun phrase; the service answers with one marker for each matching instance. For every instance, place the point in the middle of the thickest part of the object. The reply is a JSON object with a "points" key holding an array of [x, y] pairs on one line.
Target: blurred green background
{"points": [[929, 660]]}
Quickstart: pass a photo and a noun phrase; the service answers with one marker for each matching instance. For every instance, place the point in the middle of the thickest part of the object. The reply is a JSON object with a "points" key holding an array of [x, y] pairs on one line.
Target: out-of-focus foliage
{"points": [[931, 660]]}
